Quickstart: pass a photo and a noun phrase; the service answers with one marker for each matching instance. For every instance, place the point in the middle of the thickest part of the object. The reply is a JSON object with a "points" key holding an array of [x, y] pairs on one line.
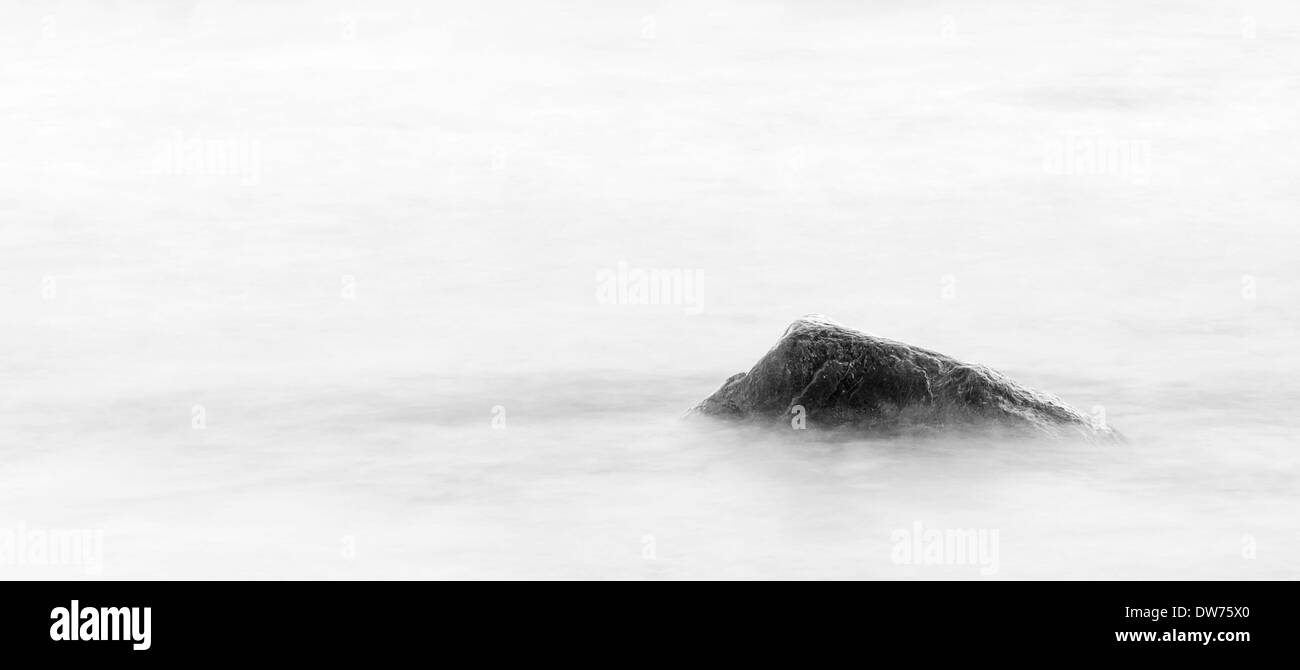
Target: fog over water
{"points": [[314, 290]]}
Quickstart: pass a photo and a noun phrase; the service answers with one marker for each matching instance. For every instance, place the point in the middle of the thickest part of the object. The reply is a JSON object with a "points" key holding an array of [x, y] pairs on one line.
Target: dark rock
{"points": [[843, 378]]}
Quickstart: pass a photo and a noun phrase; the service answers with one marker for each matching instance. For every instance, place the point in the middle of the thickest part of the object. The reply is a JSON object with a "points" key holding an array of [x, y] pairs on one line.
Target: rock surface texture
{"points": [[831, 376]]}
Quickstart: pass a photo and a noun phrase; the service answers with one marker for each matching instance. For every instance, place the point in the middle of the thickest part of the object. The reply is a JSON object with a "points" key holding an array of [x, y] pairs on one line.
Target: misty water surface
{"points": [[397, 213]]}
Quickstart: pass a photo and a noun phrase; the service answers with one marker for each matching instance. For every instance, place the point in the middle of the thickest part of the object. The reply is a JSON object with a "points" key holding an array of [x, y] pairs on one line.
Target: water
{"points": [[282, 354]]}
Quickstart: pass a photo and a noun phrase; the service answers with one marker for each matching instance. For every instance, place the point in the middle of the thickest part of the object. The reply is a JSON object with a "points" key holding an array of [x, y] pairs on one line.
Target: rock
{"points": [[843, 378]]}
